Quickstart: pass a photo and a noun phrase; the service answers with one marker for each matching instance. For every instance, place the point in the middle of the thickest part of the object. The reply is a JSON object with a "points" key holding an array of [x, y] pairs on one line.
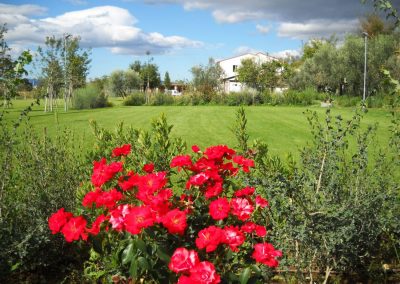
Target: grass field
{"points": [[284, 128]]}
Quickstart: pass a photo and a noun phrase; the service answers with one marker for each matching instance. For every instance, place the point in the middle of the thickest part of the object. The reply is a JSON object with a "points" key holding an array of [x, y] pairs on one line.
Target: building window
{"points": [[234, 68]]}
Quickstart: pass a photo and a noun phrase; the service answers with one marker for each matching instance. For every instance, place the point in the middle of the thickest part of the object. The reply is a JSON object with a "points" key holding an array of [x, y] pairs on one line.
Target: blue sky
{"points": [[178, 33]]}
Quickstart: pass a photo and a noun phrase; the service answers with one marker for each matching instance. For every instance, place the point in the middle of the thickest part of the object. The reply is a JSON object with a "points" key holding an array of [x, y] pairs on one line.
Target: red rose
{"points": [[265, 253], [74, 229], [148, 168], [261, 201], [181, 161], [183, 260], [241, 208], [204, 273], [138, 218], [233, 237], [219, 209], [209, 238], [124, 150], [245, 191], [195, 148], [103, 172], [175, 221], [58, 220], [248, 227], [184, 280], [96, 225], [261, 231]]}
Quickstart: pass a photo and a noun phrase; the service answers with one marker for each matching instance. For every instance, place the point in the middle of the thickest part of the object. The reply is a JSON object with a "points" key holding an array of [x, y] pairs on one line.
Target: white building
{"points": [[230, 65]]}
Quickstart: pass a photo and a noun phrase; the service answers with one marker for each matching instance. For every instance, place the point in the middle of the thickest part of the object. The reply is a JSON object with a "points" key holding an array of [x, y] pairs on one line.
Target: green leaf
{"points": [[141, 245], [143, 263], [163, 255], [245, 276], [133, 269], [127, 254]]}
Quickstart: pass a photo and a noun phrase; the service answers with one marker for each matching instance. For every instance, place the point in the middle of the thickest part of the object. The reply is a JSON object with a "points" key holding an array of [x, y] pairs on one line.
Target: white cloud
{"points": [[244, 49], [263, 29], [286, 53], [316, 28], [104, 26], [227, 16]]}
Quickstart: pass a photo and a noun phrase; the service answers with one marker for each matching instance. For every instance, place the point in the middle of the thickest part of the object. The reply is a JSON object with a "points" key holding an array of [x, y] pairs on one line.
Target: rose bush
{"points": [[198, 222]]}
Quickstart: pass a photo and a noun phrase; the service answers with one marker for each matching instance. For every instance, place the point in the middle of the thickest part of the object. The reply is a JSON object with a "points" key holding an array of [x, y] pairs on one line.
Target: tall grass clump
{"points": [[135, 99], [89, 97]]}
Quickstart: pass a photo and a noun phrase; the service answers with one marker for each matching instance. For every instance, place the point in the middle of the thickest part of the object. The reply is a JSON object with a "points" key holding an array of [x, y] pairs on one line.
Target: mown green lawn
{"points": [[284, 128]]}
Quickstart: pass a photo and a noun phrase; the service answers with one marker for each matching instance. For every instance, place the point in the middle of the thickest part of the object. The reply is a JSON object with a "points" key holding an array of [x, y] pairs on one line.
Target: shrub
{"points": [[89, 97], [160, 99], [335, 209], [135, 99], [38, 174]]}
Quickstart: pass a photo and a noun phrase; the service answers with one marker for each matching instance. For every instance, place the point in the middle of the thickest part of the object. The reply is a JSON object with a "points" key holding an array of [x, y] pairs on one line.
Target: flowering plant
{"points": [[196, 223]]}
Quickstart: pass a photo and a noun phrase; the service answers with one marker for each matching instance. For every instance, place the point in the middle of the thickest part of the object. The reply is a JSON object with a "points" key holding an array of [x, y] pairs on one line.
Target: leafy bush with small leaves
{"points": [[37, 175]]}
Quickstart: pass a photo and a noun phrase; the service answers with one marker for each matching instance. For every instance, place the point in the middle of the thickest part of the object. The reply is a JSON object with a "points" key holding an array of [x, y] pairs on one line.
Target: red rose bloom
{"points": [[209, 238], [204, 273], [248, 227], [233, 237], [195, 148], [183, 260], [219, 209], [103, 172], [265, 253], [184, 280], [245, 163], [124, 150], [181, 161], [137, 219], [175, 221], [261, 201], [245, 191], [241, 208], [214, 190], [261, 231], [148, 168], [58, 220], [96, 225], [74, 229], [218, 152]]}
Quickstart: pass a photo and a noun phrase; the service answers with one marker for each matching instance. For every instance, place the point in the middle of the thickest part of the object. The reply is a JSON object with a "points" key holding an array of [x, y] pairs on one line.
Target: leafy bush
{"points": [[38, 174], [335, 211], [160, 99], [135, 99], [89, 97]]}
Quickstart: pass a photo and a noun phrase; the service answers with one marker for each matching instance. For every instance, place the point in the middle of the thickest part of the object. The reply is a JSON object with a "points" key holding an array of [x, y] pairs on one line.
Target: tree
{"points": [[76, 61], [207, 79], [167, 81], [373, 25], [64, 65], [11, 71], [248, 73], [148, 73], [124, 82]]}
